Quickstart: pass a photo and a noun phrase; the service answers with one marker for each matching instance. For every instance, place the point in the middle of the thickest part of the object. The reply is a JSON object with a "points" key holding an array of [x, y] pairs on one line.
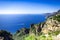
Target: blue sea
{"points": [[14, 22]]}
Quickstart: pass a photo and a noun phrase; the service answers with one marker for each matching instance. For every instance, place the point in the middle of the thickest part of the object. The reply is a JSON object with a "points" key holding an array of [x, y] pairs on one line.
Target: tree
{"points": [[6, 35]]}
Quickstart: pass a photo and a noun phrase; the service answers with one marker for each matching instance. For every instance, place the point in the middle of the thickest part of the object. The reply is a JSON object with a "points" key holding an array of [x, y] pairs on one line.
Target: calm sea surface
{"points": [[13, 22]]}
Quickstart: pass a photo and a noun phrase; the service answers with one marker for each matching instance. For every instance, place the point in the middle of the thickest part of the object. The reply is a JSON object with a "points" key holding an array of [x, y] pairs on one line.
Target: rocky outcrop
{"points": [[35, 28], [52, 23], [22, 31]]}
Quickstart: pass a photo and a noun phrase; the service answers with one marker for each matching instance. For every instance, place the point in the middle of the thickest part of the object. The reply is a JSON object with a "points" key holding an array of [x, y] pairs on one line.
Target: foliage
{"points": [[30, 37], [56, 32], [40, 37], [6, 35], [57, 18]]}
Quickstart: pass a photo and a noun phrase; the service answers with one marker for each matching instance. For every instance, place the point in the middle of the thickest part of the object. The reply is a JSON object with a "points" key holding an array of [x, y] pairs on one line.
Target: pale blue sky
{"points": [[28, 6]]}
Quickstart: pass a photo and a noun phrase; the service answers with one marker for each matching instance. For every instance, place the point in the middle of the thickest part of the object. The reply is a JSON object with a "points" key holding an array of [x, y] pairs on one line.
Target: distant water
{"points": [[13, 22]]}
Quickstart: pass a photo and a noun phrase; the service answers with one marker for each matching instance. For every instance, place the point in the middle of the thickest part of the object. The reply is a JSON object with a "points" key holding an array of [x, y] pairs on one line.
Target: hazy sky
{"points": [[28, 6]]}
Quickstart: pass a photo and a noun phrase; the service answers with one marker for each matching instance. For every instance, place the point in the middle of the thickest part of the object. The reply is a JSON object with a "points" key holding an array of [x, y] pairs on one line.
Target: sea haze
{"points": [[13, 22]]}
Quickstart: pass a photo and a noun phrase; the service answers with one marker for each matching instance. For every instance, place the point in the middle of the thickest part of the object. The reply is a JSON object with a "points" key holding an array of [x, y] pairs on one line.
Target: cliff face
{"points": [[52, 24]]}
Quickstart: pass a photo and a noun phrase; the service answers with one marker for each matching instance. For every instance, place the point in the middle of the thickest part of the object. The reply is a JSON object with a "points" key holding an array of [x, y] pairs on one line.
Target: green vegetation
{"points": [[57, 18], [5, 35], [41, 37], [34, 37]]}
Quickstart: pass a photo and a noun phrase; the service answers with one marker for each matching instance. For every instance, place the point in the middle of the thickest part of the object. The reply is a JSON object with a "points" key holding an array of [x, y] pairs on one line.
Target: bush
{"points": [[41, 37], [30, 37]]}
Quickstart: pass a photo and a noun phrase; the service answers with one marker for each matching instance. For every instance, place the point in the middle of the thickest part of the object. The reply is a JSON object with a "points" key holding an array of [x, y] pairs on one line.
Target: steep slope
{"points": [[52, 23]]}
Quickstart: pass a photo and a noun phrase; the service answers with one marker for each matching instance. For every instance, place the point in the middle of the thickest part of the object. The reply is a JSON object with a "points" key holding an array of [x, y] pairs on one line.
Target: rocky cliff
{"points": [[52, 23]]}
